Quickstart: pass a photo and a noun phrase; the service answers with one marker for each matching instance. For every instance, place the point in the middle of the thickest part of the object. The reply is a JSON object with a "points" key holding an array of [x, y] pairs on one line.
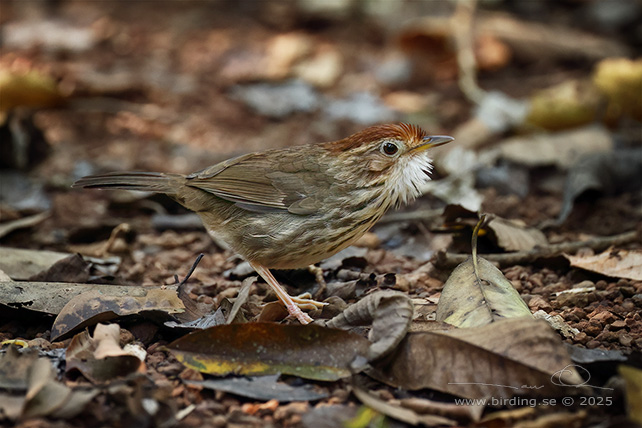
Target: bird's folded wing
{"points": [[255, 184]]}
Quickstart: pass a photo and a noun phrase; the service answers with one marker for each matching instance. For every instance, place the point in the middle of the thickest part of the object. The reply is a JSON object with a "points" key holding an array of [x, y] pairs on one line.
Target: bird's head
{"points": [[393, 158]]}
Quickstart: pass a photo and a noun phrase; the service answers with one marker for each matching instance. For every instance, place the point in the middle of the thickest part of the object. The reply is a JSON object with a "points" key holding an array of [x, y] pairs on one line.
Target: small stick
{"points": [[191, 271], [446, 260]]}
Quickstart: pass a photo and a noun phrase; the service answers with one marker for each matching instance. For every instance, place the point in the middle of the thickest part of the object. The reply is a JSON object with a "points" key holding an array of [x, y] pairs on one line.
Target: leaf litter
{"points": [[126, 132]]}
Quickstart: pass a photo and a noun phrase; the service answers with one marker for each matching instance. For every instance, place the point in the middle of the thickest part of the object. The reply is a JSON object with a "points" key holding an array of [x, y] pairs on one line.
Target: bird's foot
{"points": [[305, 301]]}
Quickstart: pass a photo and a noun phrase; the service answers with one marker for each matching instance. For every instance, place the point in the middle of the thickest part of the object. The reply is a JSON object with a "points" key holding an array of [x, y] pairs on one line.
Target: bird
{"points": [[292, 207]]}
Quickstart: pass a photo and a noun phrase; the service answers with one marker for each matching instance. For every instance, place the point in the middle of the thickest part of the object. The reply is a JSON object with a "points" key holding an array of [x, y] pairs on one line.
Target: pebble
{"points": [[539, 303], [625, 339], [593, 328], [618, 324], [592, 344], [605, 317]]}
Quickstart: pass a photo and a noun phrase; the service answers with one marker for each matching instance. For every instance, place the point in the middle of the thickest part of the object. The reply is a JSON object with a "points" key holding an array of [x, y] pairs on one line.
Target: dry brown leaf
{"points": [[389, 312], [615, 263], [471, 299], [51, 297], [21, 264], [562, 149], [95, 306], [514, 235], [100, 358], [500, 360], [32, 391]]}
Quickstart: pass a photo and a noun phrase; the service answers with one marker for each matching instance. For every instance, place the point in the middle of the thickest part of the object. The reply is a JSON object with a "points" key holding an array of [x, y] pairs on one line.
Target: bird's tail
{"points": [[143, 181]]}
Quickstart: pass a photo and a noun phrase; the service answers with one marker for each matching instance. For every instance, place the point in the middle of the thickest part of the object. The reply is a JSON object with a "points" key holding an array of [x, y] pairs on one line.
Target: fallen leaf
{"points": [[398, 412], [21, 264], [562, 149], [31, 89], [457, 411], [51, 297], [95, 306], [558, 323], [513, 235], [309, 351], [633, 384], [512, 357], [474, 297], [73, 269], [14, 366], [30, 389], [567, 105], [615, 263], [329, 416], [263, 388], [604, 173], [390, 314], [100, 358], [620, 80]]}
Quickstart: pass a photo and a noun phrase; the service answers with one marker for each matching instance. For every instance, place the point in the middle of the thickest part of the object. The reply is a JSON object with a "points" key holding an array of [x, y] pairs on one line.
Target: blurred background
{"points": [[527, 88]]}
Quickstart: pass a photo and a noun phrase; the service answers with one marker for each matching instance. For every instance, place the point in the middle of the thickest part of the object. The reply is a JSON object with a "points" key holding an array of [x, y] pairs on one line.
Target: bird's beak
{"points": [[432, 141]]}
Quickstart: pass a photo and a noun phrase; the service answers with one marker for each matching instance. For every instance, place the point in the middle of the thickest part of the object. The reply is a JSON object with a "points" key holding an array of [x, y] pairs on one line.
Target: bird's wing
{"points": [[254, 183]]}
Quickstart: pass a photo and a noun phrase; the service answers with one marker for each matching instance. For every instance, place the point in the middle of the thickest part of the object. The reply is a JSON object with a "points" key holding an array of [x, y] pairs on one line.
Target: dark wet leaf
{"points": [[264, 388], [308, 351], [604, 173]]}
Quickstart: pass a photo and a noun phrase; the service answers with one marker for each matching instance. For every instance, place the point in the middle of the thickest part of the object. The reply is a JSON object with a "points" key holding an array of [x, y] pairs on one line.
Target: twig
{"points": [[445, 260], [191, 271], [464, 38]]}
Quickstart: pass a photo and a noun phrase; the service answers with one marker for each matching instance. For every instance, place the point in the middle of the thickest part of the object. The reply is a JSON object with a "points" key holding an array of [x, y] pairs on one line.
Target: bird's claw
{"points": [[305, 301]]}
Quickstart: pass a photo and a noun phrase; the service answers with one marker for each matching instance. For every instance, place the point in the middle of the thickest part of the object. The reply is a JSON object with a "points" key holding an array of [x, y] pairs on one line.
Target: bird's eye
{"points": [[389, 148]]}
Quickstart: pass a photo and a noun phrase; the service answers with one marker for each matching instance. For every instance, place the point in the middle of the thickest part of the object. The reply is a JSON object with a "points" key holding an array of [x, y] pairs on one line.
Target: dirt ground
{"points": [[178, 86]]}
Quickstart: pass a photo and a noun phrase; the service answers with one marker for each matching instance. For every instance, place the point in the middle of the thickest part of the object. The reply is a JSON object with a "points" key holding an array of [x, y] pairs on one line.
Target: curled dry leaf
{"points": [[507, 358], [390, 313], [615, 263], [30, 389], [96, 306], [100, 358], [478, 295], [308, 351]]}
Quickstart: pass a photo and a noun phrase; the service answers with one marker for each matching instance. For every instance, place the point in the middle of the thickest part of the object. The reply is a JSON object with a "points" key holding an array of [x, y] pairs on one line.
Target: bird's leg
{"points": [[318, 275], [291, 305]]}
